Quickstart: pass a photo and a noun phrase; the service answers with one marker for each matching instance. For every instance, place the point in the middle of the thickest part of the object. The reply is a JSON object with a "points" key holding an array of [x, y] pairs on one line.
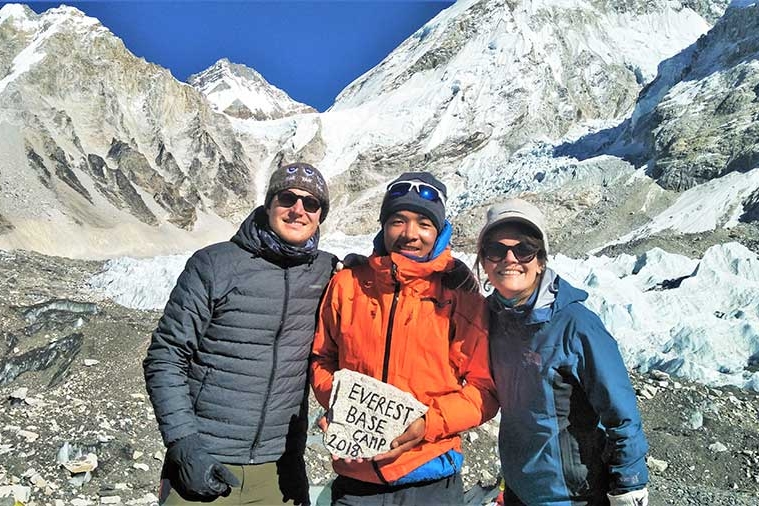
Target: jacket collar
{"points": [[553, 294], [255, 236], [396, 267]]}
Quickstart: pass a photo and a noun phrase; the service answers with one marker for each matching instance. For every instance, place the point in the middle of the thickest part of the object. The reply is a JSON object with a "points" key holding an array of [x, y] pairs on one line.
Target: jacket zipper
{"points": [[391, 318], [265, 405], [388, 340]]}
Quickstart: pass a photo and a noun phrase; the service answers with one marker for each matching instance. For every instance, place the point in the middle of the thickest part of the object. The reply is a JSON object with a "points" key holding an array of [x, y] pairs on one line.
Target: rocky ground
{"points": [[76, 427]]}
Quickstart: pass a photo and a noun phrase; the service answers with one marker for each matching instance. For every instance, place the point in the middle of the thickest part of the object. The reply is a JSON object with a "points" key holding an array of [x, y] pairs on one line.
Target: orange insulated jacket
{"points": [[393, 319]]}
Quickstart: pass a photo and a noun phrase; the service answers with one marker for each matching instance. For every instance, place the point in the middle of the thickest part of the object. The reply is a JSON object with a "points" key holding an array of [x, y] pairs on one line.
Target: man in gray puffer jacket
{"points": [[227, 366]]}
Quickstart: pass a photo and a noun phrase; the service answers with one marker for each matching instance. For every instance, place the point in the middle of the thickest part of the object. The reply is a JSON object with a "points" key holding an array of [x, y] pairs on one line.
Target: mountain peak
{"points": [[16, 11], [25, 19], [60, 13], [240, 92]]}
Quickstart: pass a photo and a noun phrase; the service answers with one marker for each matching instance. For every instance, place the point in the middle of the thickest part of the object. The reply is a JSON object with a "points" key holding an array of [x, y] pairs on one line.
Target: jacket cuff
{"points": [[177, 435], [433, 427]]}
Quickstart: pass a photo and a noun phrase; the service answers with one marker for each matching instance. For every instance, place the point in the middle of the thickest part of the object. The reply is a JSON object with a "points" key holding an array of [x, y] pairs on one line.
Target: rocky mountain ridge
{"points": [[241, 92], [107, 147], [698, 122], [103, 145]]}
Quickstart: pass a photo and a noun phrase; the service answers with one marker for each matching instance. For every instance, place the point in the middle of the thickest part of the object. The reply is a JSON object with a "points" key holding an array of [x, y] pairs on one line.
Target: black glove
{"points": [[293, 481], [351, 260], [460, 277], [194, 473]]}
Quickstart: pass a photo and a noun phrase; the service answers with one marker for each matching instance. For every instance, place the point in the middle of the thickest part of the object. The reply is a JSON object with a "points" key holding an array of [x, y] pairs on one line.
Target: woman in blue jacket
{"points": [[570, 431]]}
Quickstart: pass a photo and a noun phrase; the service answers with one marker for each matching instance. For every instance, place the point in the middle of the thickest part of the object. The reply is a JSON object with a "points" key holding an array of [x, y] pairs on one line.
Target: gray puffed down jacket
{"points": [[229, 357]]}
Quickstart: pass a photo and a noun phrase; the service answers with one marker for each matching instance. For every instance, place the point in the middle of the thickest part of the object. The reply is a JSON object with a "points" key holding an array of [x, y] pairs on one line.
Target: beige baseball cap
{"points": [[514, 210]]}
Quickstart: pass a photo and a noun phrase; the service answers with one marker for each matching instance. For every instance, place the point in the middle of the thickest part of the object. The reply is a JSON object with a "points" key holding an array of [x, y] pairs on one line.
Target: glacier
{"points": [[696, 319]]}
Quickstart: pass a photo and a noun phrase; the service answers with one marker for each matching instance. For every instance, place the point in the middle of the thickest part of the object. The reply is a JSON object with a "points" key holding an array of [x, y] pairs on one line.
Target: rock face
{"points": [[697, 121], [96, 138], [241, 92]]}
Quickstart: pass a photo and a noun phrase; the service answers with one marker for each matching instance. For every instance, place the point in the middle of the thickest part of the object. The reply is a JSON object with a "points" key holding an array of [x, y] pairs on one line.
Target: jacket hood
{"points": [[554, 294], [566, 294], [247, 236]]}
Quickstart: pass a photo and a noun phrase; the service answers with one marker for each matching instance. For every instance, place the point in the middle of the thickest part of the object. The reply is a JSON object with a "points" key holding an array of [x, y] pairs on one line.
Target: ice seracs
{"points": [[694, 318]]}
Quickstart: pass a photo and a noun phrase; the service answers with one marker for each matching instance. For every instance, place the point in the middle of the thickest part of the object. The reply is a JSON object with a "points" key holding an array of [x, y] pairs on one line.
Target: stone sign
{"points": [[367, 415]]}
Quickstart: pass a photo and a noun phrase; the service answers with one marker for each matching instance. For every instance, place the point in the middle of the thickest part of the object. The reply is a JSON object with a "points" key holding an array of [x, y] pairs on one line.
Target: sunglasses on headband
{"points": [[496, 252], [286, 198], [426, 191]]}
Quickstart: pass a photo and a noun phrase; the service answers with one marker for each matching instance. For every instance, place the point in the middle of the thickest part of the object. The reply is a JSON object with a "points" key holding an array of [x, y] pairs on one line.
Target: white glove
{"points": [[634, 498]]}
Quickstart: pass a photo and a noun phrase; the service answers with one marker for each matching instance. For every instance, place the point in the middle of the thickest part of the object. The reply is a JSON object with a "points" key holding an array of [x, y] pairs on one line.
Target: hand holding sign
{"points": [[406, 441], [367, 415]]}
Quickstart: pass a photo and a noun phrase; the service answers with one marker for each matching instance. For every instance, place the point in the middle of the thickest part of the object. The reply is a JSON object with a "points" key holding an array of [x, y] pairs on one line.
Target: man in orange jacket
{"points": [[400, 319]]}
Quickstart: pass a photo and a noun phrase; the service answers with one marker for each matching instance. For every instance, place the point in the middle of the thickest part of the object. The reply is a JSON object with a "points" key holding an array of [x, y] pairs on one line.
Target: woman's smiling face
{"points": [[514, 279]]}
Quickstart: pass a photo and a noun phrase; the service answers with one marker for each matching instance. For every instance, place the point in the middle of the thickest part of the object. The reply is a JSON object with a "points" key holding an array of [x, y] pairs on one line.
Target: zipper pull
{"points": [[394, 275]]}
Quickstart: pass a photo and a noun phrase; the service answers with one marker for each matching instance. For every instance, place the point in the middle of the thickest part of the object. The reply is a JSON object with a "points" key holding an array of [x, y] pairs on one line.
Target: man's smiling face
{"points": [[293, 224], [409, 233]]}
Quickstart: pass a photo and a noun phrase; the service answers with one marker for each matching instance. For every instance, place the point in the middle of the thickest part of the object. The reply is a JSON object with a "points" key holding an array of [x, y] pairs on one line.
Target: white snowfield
{"points": [[705, 329], [696, 319]]}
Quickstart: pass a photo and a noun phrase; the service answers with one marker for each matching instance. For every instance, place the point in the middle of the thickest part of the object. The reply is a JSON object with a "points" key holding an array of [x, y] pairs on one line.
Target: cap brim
{"points": [[512, 218]]}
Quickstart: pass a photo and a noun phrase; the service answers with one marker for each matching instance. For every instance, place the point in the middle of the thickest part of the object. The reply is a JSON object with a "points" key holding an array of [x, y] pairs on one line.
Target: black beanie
{"points": [[412, 201], [303, 177]]}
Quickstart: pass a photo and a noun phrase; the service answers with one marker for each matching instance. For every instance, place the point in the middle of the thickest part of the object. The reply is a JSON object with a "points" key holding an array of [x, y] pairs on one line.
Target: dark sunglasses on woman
{"points": [[426, 191], [286, 198], [496, 252]]}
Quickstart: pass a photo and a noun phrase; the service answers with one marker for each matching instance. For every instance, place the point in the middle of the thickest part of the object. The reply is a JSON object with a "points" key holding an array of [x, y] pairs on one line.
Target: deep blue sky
{"points": [[310, 49]]}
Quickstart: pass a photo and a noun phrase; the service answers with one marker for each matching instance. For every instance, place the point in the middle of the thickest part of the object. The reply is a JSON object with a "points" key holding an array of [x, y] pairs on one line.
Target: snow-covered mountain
{"points": [[492, 70], [241, 92], [103, 146], [496, 97], [487, 78]]}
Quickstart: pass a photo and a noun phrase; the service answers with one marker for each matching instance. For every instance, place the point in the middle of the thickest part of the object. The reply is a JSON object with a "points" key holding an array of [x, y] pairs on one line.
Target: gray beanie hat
{"points": [[412, 201], [514, 210], [303, 177]]}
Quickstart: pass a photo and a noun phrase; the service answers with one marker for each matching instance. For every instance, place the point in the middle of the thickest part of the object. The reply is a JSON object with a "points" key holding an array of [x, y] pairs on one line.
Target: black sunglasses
{"points": [[286, 198], [496, 252], [426, 191]]}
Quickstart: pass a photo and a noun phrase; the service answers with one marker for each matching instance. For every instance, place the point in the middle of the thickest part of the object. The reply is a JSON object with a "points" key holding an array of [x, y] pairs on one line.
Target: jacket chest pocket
{"points": [[424, 337], [360, 335]]}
